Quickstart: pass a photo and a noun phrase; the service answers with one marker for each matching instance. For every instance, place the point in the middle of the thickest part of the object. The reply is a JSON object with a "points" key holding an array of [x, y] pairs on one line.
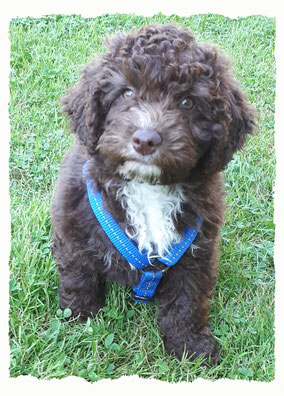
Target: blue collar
{"points": [[144, 291]]}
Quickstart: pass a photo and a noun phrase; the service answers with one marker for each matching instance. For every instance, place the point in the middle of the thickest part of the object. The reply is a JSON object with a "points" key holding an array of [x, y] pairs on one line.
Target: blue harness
{"points": [[144, 291]]}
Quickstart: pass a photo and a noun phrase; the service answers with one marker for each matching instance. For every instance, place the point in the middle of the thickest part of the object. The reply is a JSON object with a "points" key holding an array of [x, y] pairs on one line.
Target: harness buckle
{"points": [[145, 300]]}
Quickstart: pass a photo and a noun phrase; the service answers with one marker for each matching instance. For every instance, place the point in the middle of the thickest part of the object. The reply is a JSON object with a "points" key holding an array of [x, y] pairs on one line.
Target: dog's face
{"points": [[147, 134], [159, 107]]}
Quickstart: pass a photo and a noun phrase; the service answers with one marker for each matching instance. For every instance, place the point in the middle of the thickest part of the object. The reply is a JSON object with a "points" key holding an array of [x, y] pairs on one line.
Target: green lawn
{"points": [[46, 55]]}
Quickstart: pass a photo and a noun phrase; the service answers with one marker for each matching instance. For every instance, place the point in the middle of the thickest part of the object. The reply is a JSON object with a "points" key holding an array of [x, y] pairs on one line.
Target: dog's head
{"points": [[160, 107]]}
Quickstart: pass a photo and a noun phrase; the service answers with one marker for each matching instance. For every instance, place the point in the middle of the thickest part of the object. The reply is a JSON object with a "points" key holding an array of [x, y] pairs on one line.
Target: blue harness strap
{"points": [[114, 232], [144, 291], [146, 288]]}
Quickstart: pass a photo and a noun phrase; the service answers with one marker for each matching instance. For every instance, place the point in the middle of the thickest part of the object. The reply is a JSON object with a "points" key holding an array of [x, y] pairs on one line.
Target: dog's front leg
{"points": [[82, 292], [183, 317], [81, 287]]}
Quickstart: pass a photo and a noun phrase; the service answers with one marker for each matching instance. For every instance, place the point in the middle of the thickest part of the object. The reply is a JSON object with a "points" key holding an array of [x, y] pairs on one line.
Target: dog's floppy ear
{"points": [[83, 105], [233, 113]]}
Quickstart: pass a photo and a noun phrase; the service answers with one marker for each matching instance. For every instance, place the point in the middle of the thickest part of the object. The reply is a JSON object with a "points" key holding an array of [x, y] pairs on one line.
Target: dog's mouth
{"points": [[138, 166], [140, 171], [155, 168]]}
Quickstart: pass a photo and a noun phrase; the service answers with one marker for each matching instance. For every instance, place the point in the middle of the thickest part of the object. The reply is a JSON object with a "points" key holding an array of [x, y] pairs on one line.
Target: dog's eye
{"points": [[128, 93], [186, 104]]}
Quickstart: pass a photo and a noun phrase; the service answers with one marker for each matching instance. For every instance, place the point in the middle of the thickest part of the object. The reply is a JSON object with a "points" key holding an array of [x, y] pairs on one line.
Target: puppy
{"points": [[156, 118]]}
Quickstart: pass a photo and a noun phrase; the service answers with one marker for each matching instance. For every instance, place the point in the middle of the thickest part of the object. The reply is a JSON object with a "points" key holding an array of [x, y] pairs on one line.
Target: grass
{"points": [[46, 54]]}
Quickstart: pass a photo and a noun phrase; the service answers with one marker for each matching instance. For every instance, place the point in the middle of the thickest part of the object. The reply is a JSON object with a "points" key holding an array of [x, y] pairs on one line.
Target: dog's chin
{"points": [[141, 172]]}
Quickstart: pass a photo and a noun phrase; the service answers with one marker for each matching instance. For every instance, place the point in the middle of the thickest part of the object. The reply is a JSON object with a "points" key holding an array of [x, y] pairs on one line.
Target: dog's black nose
{"points": [[146, 141]]}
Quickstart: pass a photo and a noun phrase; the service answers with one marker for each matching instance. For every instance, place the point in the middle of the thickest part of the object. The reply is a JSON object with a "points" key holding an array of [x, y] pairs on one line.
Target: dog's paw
{"points": [[196, 345], [82, 314], [82, 307]]}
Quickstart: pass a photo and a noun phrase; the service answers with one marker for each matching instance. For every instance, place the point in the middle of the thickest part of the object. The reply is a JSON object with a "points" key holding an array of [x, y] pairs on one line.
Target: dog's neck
{"points": [[151, 211]]}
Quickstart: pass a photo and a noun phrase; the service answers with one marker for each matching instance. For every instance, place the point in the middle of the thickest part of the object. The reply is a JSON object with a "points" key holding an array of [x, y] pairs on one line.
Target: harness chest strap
{"points": [[144, 291]]}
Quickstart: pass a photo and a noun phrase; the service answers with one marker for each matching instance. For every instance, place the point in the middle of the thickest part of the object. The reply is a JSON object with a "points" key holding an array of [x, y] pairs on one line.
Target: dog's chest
{"points": [[150, 213]]}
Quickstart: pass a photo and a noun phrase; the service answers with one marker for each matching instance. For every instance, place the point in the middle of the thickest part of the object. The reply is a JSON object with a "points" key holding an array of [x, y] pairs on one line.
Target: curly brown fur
{"points": [[141, 84]]}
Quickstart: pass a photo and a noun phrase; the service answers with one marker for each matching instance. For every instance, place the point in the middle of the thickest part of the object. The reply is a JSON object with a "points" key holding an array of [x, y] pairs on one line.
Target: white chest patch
{"points": [[150, 210]]}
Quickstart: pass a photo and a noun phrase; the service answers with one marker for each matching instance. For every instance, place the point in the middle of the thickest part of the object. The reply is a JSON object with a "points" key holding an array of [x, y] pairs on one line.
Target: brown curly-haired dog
{"points": [[158, 116]]}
